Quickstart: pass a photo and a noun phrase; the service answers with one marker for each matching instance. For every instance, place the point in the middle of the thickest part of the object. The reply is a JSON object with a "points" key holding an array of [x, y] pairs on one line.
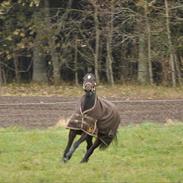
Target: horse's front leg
{"points": [[71, 137], [76, 145], [89, 142], [91, 150]]}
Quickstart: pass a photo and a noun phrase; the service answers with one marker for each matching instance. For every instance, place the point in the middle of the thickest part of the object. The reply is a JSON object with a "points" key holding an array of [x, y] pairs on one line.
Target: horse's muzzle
{"points": [[88, 86]]}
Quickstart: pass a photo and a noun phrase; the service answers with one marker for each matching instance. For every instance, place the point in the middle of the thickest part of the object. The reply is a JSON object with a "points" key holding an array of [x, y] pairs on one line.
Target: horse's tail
{"points": [[106, 141]]}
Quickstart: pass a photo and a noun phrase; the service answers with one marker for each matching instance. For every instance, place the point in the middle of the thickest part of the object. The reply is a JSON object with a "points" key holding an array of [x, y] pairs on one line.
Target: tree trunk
{"points": [[97, 42], [1, 78], [53, 52], [55, 60], [180, 66], [16, 64], [56, 66], [142, 61], [1, 75], [109, 62], [177, 66], [76, 61], [171, 51], [39, 66], [39, 62], [148, 43], [55, 55]]}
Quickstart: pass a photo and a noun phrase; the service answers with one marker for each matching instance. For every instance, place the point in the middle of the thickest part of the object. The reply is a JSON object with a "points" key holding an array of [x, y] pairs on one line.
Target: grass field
{"points": [[146, 153]]}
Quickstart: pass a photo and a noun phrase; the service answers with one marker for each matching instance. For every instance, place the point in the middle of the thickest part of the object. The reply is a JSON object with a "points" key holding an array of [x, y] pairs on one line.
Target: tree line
{"points": [[48, 41]]}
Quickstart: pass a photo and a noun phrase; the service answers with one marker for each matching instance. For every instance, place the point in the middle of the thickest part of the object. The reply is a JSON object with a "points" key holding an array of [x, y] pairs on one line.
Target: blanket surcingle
{"points": [[102, 120]]}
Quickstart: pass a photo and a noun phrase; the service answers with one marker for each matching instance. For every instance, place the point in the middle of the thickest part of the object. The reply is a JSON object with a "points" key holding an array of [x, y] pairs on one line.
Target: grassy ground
{"points": [[146, 153], [125, 91]]}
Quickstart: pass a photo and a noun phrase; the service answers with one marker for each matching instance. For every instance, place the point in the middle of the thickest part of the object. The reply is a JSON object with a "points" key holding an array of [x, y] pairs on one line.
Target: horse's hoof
{"points": [[83, 161], [64, 160]]}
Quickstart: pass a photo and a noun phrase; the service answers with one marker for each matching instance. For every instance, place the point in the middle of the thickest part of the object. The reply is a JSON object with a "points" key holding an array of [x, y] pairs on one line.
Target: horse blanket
{"points": [[102, 120]]}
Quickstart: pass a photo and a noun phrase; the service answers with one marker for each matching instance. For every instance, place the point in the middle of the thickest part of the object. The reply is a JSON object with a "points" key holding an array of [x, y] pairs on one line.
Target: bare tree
{"points": [[56, 29], [97, 40], [39, 66], [127, 40], [170, 45], [142, 61], [148, 28], [109, 39], [76, 61]]}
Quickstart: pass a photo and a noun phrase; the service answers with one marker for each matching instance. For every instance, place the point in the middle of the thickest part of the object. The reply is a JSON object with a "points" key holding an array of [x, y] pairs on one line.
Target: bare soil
{"points": [[44, 112]]}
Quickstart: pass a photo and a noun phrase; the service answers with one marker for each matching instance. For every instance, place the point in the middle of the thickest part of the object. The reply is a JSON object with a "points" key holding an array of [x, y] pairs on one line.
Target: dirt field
{"points": [[43, 112]]}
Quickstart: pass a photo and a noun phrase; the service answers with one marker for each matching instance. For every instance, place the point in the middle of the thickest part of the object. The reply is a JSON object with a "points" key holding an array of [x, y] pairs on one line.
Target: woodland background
{"points": [[121, 41]]}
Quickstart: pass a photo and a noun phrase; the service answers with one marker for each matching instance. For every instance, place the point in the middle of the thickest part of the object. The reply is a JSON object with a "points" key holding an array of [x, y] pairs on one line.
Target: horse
{"points": [[94, 117]]}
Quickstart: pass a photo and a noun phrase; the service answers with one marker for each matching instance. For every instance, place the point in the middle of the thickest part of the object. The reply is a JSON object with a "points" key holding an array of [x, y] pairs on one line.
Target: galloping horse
{"points": [[95, 117]]}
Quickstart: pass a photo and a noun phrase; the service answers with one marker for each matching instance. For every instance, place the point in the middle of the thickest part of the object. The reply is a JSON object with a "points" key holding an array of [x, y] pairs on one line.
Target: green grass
{"points": [[149, 153]]}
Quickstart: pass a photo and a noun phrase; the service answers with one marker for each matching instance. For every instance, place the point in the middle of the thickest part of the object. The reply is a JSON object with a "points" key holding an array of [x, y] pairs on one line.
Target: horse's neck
{"points": [[89, 101]]}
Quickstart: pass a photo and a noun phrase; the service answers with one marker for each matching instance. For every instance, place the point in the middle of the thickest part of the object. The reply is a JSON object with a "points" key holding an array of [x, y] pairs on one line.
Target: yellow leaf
{"points": [[1, 12], [31, 4], [9, 57], [9, 38], [37, 2], [6, 3], [22, 34], [20, 45], [16, 32], [140, 3]]}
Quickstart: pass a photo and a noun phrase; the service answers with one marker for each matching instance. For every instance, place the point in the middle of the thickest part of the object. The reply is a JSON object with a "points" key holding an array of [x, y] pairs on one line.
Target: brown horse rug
{"points": [[102, 120]]}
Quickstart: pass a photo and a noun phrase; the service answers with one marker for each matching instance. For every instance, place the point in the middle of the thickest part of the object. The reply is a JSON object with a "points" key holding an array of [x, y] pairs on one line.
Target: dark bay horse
{"points": [[95, 117]]}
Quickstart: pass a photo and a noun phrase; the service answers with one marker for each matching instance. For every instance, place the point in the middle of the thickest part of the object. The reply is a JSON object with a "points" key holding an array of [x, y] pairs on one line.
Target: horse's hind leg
{"points": [[75, 146], [91, 150], [71, 137]]}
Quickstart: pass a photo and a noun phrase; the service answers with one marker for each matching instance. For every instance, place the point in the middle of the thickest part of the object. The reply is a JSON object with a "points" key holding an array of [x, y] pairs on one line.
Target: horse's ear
{"points": [[84, 77]]}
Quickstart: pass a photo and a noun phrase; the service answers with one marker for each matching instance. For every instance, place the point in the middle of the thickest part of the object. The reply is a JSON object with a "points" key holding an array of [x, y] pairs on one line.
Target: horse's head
{"points": [[89, 83]]}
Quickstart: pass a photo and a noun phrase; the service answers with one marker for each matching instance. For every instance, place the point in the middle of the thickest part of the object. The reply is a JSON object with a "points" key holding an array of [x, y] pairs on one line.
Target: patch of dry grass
{"points": [[62, 123], [139, 92], [125, 91], [36, 89]]}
